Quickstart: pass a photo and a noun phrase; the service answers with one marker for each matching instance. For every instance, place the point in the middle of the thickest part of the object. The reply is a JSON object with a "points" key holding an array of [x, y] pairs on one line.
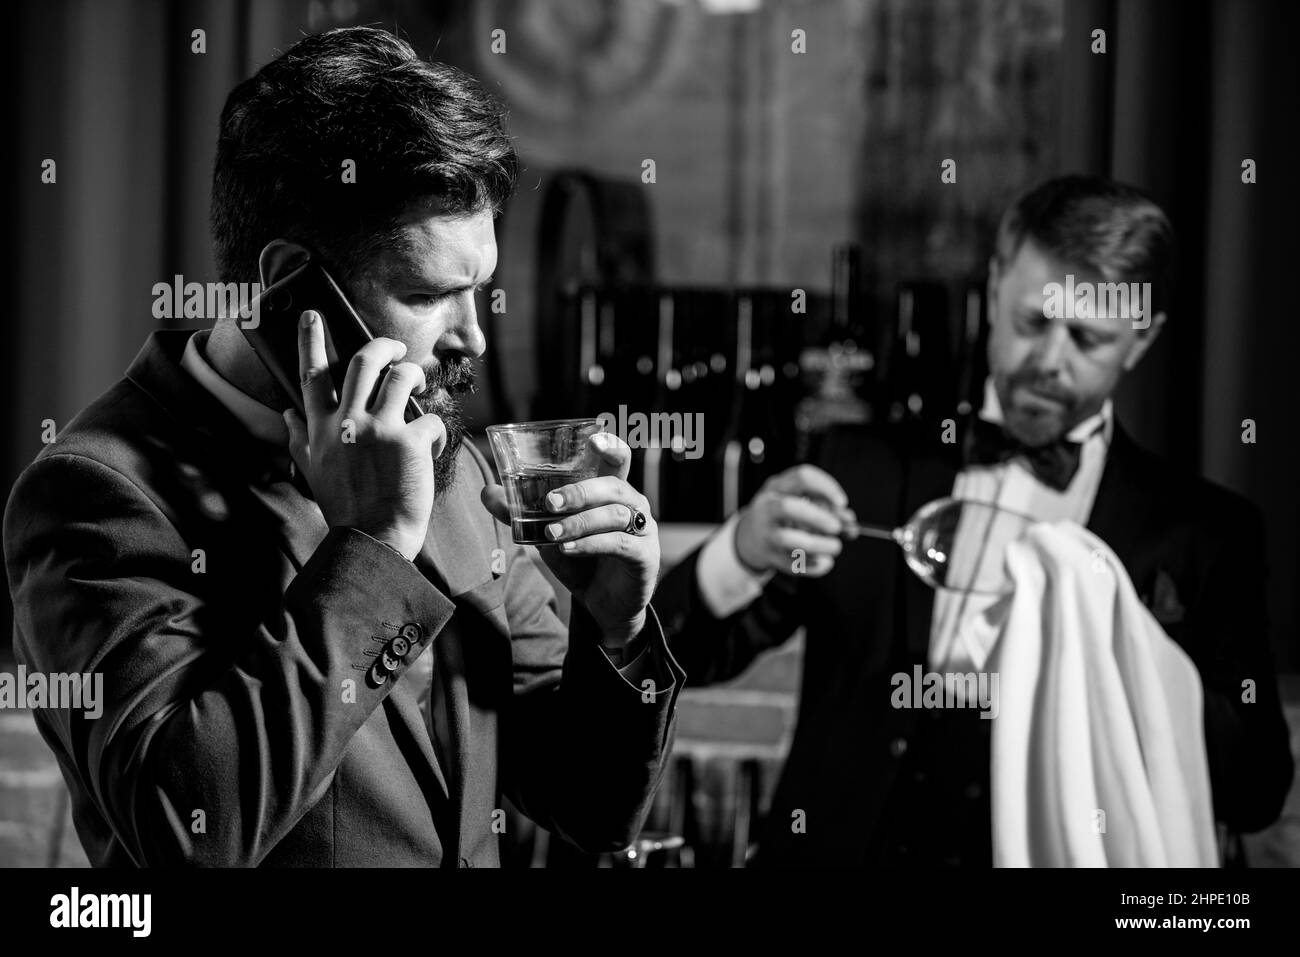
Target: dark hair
{"points": [[1112, 228], [415, 129]]}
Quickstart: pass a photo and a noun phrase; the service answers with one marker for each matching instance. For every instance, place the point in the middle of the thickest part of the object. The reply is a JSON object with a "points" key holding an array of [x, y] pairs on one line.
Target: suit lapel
{"points": [[449, 672], [403, 710], [457, 553], [300, 524], [457, 558], [1123, 506]]}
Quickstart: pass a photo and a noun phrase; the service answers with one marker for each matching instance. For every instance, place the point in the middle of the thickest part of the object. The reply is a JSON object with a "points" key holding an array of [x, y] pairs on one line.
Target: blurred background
{"points": [[731, 207]]}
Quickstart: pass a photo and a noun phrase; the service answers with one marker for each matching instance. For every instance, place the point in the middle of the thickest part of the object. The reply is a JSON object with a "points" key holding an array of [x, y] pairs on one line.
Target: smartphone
{"points": [[274, 336]]}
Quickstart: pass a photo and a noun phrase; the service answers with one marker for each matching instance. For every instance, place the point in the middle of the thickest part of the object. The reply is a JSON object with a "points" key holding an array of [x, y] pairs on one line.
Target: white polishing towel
{"points": [[1098, 747]]}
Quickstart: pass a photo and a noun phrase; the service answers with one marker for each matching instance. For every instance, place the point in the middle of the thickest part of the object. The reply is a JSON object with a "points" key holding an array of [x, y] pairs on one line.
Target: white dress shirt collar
{"points": [[261, 420]]}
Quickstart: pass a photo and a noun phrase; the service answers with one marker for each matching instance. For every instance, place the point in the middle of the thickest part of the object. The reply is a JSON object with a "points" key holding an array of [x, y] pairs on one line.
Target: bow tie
{"points": [[1054, 464]]}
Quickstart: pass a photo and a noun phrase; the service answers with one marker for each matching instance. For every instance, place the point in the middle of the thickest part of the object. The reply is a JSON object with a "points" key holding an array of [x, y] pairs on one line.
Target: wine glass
{"points": [[929, 540]]}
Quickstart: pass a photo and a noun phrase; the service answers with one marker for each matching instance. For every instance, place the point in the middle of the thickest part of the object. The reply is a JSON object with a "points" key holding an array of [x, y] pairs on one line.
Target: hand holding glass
{"points": [[534, 459]]}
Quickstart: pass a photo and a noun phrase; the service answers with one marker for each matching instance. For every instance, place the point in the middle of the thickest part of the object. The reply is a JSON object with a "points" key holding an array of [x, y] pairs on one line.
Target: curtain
{"points": [[114, 93], [1186, 91]]}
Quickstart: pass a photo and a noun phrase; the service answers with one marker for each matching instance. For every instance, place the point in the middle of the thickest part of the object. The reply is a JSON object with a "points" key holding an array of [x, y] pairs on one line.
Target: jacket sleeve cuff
{"points": [[358, 594], [654, 672]]}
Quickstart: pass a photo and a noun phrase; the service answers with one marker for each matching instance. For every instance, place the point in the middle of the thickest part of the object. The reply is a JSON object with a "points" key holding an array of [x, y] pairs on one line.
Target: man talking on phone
{"points": [[320, 646]]}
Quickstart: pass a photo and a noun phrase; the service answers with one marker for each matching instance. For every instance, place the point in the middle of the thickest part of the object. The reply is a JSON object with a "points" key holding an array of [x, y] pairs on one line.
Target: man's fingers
{"points": [[435, 431], [493, 498], [808, 515], [313, 366], [810, 481], [619, 544], [604, 518], [612, 453], [400, 382], [786, 540], [364, 371], [589, 493]]}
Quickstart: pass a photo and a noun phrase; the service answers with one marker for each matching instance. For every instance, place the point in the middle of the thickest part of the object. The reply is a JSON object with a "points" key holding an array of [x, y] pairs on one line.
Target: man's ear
{"points": [[279, 258], [1143, 341]]}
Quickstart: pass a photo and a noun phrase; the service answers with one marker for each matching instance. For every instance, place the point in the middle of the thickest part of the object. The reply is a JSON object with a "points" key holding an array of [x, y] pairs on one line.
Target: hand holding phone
{"points": [[274, 338], [368, 468]]}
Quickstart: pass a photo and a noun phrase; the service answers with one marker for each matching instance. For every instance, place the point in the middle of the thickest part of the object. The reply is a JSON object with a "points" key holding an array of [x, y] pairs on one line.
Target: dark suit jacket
{"points": [[240, 726], [894, 786]]}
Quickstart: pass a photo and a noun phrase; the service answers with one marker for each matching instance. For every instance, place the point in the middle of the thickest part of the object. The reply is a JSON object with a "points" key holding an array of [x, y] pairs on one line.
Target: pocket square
{"points": [[1164, 604]]}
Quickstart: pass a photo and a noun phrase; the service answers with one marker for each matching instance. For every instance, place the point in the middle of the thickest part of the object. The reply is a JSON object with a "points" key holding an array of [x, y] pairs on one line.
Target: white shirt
{"points": [[726, 586], [261, 420], [1013, 486]]}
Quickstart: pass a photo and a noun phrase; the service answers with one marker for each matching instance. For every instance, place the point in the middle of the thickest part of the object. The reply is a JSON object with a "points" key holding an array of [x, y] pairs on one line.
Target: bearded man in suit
{"points": [[867, 783], [361, 662]]}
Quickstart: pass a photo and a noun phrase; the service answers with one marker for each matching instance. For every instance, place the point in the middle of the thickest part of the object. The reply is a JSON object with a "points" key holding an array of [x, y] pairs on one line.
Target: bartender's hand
{"points": [[801, 508], [609, 570]]}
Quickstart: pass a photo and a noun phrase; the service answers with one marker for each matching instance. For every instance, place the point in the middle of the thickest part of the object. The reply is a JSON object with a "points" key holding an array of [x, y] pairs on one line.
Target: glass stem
{"points": [[871, 531]]}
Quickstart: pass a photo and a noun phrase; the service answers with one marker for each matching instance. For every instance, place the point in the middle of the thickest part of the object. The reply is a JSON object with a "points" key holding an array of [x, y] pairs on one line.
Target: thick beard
{"points": [[1035, 430], [456, 376]]}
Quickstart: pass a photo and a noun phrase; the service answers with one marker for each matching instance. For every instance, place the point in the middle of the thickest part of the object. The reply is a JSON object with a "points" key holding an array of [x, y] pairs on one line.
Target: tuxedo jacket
{"points": [[866, 783], [244, 723]]}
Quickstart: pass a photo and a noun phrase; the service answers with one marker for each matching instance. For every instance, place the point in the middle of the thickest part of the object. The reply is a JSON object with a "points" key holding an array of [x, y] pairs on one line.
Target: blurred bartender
{"points": [[870, 784]]}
